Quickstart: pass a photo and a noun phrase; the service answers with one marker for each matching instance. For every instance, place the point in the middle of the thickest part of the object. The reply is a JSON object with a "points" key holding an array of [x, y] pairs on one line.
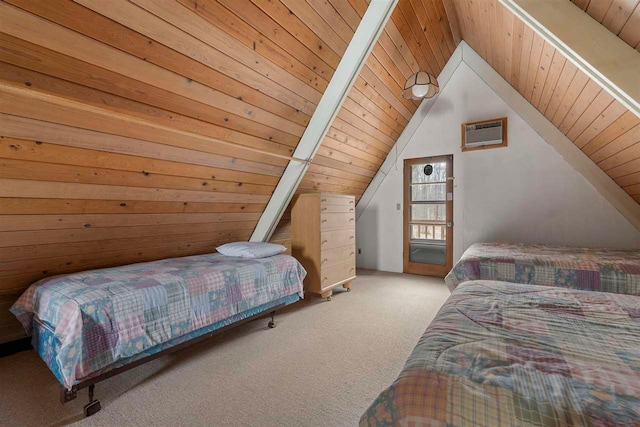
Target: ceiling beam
{"points": [[599, 53], [354, 58]]}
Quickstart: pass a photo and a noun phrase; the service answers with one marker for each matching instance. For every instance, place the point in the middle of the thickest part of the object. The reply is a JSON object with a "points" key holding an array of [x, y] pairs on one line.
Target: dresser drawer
{"points": [[342, 201], [335, 256], [337, 208], [332, 221], [337, 273], [337, 238]]}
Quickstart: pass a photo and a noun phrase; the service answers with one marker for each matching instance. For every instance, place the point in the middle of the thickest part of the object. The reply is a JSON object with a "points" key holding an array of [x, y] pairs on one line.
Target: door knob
{"points": [[449, 224]]}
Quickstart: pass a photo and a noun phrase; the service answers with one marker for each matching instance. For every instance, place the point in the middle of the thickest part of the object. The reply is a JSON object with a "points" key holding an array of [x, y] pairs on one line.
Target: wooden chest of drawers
{"points": [[323, 239]]}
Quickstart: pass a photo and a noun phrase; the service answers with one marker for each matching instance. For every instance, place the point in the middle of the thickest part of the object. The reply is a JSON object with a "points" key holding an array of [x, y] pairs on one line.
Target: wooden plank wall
{"points": [[417, 37], [599, 125], [146, 129], [621, 17]]}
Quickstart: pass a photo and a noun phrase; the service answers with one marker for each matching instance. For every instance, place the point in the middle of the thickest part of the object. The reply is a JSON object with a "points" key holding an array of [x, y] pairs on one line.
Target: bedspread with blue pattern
{"points": [[85, 323]]}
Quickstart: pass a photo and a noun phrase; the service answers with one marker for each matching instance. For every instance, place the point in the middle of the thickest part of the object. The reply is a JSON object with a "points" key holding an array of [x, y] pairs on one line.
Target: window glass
{"points": [[428, 192], [428, 232], [439, 173], [429, 212]]}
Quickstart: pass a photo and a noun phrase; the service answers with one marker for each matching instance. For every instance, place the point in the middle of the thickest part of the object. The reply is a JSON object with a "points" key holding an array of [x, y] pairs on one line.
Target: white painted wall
{"points": [[525, 192]]}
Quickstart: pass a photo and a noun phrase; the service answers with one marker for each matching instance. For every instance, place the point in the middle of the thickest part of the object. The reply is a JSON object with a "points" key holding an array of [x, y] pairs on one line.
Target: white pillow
{"points": [[251, 249]]}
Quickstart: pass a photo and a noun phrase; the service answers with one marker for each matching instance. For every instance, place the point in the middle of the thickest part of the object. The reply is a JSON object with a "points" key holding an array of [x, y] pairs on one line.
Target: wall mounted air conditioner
{"points": [[484, 134]]}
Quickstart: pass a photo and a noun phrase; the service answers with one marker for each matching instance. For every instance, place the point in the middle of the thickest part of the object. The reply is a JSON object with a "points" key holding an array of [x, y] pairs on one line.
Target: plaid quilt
{"points": [[84, 322], [503, 354], [606, 270]]}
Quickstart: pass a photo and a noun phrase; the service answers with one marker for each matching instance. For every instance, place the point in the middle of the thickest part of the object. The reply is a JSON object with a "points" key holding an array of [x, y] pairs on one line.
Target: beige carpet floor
{"points": [[321, 366]]}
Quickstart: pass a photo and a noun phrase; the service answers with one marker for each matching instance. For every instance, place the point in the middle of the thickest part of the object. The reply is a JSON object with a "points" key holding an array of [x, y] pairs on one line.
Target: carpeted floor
{"points": [[321, 366]]}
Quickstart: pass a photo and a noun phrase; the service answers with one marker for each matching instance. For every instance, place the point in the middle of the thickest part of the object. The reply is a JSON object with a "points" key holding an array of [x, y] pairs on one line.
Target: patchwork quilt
{"points": [[520, 355], [85, 322], [606, 270]]}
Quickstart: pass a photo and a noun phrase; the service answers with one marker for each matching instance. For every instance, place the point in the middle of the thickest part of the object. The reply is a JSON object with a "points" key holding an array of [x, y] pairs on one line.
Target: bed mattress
{"points": [[523, 355], [596, 269], [84, 323]]}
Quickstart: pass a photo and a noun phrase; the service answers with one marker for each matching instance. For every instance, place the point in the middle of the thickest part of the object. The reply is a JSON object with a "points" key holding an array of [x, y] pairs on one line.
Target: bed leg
{"points": [[94, 405], [272, 322], [67, 394]]}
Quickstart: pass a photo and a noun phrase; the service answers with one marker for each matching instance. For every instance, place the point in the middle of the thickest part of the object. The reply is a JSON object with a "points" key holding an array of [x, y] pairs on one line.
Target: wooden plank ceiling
{"points": [[417, 37], [145, 129], [596, 123], [621, 17]]}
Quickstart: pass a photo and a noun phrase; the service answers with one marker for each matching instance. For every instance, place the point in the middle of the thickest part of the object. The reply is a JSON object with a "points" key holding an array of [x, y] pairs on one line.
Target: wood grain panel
{"points": [[261, 137], [621, 17], [133, 131], [22, 206], [418, 36], [597, 124], [148, 129], [127, 125], [120, 257], [30, 253], [84, 21]]}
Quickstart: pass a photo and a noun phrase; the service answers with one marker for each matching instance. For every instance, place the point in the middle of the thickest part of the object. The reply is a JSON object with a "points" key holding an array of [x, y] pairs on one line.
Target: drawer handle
{"points": [[325, 279], [350, 237], [350, 209], [324, 241], [352, 253], [350, 219], [350, 202], [324, 220], [323, 200], [352, 269], [323, 209], [324, 260]]}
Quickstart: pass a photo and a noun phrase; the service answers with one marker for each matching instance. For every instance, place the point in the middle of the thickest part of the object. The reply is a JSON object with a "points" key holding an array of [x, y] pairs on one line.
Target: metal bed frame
{"points": [[67, 395]]}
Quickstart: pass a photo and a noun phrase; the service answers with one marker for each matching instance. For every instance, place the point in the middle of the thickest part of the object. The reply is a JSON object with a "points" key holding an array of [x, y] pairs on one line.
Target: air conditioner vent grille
{"points": [[486, 134], [488, 125]]}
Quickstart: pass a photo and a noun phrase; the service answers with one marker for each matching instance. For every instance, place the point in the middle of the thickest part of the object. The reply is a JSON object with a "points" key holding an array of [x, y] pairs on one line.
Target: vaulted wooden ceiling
{"points": [[417, 37], [621, 17], [596, 123], [145, 129]]}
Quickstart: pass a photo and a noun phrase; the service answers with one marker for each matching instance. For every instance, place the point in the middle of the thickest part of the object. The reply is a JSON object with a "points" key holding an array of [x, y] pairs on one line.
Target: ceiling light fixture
{"points": [[420, 85]]}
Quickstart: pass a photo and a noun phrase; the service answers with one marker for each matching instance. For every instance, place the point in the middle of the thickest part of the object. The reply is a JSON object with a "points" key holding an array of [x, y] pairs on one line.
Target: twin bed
{"points": [[531, 336], [91, 325], [604, 270]]}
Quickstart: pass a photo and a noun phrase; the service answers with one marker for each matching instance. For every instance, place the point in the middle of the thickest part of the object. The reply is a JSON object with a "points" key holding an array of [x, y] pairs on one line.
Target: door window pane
{"points": [[429, 212], [428, 232], [417, 232], [438, 174], [437, 235], [426, 253], [428, 192]]}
